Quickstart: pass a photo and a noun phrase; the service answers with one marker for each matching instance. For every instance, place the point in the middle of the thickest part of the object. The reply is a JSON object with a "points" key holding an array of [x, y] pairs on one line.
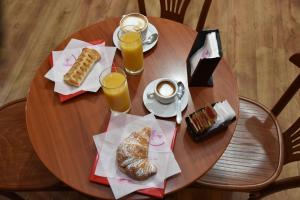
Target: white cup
{"points": [[139, 21], [165, 91]]}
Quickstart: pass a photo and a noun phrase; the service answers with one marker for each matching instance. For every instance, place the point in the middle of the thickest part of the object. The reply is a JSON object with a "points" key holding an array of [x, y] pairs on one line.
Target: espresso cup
{"points": [[165, 91], [137, 20]]}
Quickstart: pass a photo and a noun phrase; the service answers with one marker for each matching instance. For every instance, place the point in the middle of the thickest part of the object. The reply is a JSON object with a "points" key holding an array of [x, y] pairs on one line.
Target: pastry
{"points": [[132, 155], [203, 119], [81, 68]]}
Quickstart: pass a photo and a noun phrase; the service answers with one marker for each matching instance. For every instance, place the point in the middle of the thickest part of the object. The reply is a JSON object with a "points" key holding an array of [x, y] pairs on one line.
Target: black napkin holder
{"points": [[202, 75], [197, 137]]}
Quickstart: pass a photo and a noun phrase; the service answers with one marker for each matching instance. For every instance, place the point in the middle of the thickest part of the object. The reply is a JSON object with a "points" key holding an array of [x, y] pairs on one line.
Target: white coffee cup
{"points": [[139, 21], [165, 91]]}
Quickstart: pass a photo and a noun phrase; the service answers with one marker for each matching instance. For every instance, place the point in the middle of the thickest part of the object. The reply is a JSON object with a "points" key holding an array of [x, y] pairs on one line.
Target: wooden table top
{"points": [[61, 133]]}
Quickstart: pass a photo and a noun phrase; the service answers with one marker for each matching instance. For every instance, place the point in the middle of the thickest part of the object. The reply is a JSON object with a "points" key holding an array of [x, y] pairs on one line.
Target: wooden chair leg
{"points": [[254, 196], [12, 195], [280, 185]]}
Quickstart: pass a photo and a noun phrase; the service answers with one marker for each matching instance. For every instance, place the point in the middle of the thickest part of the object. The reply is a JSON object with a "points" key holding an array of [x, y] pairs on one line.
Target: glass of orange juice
{"points": [[130, 42], [115, 88]]}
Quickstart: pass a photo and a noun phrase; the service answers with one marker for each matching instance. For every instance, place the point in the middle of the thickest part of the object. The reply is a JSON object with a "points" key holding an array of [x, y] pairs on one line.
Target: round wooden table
{"points": [[61, 133]]}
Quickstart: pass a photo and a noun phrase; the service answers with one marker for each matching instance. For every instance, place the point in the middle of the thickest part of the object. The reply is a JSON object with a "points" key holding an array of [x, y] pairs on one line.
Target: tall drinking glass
{"points": [[114, 84], [130, 42]]}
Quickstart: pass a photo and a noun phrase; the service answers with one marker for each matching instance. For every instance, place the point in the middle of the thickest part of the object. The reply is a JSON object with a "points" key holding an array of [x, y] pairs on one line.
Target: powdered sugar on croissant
{"points": [[132, 155]]}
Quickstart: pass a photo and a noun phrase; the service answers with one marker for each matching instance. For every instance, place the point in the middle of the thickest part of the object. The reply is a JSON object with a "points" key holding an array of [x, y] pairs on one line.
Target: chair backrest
{"points": [[175, 10], [291, 137], [19, 166]]}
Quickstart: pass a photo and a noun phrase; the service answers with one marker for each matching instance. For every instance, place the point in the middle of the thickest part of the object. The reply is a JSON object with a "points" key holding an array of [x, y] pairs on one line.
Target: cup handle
{"points": [[150, 95]]}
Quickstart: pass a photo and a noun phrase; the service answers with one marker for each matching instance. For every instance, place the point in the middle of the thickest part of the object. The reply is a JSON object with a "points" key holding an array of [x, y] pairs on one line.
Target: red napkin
{"points": [[62, 97]]}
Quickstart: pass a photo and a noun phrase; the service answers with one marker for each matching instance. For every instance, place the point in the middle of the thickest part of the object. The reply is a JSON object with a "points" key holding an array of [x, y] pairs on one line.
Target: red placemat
{"points": [[62, 97], [155, 192]]}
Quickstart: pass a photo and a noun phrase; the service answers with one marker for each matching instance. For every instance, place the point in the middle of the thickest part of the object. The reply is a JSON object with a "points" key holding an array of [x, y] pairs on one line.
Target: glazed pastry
{"points": [[132, 155], [81, 68]]}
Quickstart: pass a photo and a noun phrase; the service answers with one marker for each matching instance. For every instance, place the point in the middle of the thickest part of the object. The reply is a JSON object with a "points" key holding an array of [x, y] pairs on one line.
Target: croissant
{"points": [[132, 155], [81, 68]]}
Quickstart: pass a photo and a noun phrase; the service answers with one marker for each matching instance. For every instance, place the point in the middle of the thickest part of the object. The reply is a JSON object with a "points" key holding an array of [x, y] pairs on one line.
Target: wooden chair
{"points": [[20, 169], [258, 149], [175, 10]]}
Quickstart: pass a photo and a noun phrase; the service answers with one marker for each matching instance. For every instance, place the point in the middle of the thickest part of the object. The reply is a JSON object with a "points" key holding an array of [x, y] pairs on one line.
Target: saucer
{"points": [[159, 109], [146, 47]]}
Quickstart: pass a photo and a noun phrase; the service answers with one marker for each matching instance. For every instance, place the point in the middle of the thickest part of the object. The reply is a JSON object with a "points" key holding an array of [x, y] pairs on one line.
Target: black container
{"points": [[202, 75]]}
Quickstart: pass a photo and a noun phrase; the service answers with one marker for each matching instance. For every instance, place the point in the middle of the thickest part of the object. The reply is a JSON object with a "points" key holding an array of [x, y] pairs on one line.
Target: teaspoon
{"points": [[180, 93], [151, 39]]}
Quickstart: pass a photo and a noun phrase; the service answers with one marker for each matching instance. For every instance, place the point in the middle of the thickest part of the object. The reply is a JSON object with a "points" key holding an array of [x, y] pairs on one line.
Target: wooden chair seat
{"points": [[19, 166], [258, 149], [253, 158]]}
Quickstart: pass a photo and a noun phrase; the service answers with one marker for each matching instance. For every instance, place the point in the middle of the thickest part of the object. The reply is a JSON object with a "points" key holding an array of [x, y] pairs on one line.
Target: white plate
{"points": [[162, 110], [146, 47]]}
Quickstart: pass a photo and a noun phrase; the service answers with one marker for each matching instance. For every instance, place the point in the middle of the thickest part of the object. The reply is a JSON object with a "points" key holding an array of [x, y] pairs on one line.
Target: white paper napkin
{"points": [[224, 112], [73, 43], [160, 154], [210, 49], [65, 60]]}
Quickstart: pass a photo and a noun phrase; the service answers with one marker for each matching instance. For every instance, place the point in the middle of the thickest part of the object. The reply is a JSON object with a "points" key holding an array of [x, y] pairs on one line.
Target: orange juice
{"points": [[116, 91], [132, 51]]}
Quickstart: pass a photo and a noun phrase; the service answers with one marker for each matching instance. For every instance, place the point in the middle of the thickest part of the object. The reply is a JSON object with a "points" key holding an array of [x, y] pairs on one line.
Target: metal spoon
{"points": [[151, 39], [180, 93]]}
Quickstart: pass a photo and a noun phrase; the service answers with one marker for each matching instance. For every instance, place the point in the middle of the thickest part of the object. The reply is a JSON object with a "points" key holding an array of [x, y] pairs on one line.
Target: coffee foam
{"points": [[134, 21], [165, 88]]}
